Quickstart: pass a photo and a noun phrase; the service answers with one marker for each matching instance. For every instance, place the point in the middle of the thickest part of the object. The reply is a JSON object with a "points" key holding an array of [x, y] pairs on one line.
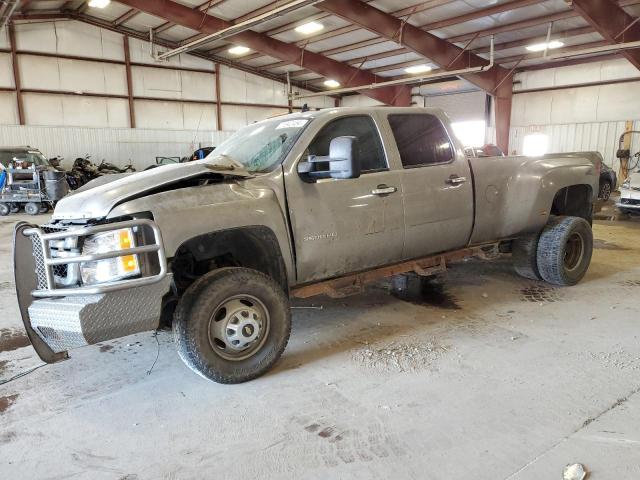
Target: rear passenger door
{"points": [[437, 188]]}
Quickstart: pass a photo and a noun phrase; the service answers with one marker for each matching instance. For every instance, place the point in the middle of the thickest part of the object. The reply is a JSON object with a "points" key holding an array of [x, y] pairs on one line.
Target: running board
{"points": [[354, 283]]}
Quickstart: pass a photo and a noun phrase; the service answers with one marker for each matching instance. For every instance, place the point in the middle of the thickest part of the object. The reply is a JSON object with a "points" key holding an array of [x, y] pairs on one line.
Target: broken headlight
{"points": [[110, 269]]}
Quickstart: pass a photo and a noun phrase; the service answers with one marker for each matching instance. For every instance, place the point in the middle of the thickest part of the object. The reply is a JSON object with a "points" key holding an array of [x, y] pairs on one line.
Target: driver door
{"points": [[346, 225]]}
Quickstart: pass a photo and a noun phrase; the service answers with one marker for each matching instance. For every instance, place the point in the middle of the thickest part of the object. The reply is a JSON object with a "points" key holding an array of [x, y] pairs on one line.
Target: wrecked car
{"points": [[310, 203]]}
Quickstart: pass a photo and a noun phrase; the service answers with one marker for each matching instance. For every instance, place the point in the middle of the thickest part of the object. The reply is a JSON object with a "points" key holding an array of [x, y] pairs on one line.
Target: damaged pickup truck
{"points": [[311, 203]]}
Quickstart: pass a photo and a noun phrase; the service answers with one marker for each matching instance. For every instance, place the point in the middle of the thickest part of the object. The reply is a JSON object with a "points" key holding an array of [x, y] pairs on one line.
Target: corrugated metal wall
{"points": [[116, 145], [602, 137]]}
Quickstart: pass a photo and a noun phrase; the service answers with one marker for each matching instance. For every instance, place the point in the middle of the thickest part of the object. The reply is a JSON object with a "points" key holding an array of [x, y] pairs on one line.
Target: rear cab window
{"points": [[422, 140]]}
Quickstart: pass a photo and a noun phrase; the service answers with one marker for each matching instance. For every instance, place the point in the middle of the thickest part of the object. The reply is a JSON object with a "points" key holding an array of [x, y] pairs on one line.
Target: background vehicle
{"points": [[30, 182], [487, 150], [630, 195], [304, 204]]}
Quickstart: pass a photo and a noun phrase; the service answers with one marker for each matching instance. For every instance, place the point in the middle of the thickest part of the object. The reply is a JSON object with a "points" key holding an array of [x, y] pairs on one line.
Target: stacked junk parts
{"points": [[37, 188]]}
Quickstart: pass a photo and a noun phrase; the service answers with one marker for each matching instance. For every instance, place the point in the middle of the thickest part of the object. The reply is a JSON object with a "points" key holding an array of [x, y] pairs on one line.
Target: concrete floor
{"points": [[505, 379]]}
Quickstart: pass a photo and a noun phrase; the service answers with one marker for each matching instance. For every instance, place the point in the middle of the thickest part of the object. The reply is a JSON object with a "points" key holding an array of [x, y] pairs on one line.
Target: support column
{"points": [[16, 72], [127, 64], [623, 172], [218, 99], [502, 109]]}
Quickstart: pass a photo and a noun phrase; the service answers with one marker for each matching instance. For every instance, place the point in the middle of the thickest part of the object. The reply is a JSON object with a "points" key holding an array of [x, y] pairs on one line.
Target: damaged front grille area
{"points": [[58, 255]]}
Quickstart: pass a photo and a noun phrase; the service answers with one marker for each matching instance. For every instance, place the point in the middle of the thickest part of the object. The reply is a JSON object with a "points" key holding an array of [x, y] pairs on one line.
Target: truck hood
{"points": [[96, 199]]}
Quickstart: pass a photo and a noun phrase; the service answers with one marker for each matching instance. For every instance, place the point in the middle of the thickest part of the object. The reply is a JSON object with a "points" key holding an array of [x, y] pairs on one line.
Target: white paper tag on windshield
{"points": [[292, 124]]}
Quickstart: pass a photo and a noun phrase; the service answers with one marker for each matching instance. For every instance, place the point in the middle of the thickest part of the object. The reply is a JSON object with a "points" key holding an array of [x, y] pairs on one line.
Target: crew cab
{"points": [[307, 203]]}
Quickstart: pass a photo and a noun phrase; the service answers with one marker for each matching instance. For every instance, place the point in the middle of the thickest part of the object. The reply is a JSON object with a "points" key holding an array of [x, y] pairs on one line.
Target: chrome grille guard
{"points": [[45, 262]]}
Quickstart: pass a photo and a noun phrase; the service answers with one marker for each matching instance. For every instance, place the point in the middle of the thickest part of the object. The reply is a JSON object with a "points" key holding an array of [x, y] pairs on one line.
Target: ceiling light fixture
{"points": [[238, 50], [418, 69], [331, 83], [309, 28], [539, 47], [99, 3]]}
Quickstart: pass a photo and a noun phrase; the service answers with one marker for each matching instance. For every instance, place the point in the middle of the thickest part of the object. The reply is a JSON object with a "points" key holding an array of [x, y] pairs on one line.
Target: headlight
{"points": [[110, 269], [626, 184]]}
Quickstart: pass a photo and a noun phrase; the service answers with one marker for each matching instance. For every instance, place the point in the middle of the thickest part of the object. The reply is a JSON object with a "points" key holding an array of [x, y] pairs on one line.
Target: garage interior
{"points": [[476, 373]]}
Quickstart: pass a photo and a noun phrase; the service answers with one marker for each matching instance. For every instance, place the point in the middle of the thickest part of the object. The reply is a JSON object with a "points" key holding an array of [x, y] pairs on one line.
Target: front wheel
{"points": [[564, 250], [232, 325], [32, 208]]}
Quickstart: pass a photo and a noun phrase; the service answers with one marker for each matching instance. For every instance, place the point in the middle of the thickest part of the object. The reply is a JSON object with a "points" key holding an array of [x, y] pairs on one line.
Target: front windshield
{"points": [[261, 146], [22, 159]]}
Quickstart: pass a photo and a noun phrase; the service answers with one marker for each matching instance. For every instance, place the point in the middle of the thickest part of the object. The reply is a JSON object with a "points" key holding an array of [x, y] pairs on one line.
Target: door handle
{"points": [[383, 190], [455, 180]]}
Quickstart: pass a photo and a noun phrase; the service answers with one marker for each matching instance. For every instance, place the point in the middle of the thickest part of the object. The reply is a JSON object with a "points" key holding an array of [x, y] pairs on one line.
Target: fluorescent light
{"points": [[418, 69], [539, 47], [309, 28], [331, 83], [238, 50], [99, 3]]}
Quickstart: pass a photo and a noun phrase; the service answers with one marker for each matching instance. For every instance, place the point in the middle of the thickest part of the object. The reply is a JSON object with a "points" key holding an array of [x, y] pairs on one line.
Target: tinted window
{"points": [[421, 140], [370, 151]]}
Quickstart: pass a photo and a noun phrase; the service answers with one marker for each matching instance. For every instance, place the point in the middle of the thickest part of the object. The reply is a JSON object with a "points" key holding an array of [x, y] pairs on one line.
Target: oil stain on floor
{"points": [[12, 340], [427, 292], [540, 294], [7, 401]]}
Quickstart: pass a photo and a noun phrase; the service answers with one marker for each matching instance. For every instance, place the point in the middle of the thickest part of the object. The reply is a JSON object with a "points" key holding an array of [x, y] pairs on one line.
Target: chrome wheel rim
{"points": [[238, 327], [573, 252]]}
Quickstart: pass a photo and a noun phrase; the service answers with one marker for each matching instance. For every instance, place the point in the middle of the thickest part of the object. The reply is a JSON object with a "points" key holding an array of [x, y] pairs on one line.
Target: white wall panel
{"points": [[603, 103], [69, 38], [72, 75], [602, 137], [8, 109], [234, 117], [6, 71], [68, 110], [576, 74], [141, 53], [242, 87], [313, 102], [4, 38], [359, 101], [167, 83], [116, 145], [175, 115]]}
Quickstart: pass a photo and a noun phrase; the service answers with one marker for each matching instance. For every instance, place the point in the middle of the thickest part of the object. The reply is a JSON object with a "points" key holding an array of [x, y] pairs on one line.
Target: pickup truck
{"points": [[294, 206]]}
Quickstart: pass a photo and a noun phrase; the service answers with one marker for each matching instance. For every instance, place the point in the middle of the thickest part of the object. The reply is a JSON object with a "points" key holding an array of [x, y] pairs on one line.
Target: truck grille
{"points": [[630, 201], [58, 270]]}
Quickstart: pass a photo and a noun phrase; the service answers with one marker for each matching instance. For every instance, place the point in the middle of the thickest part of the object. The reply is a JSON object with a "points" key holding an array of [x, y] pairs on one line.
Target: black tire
{"points": [[605, 191], [564, 250], [32, 208], [194, 325], [14, 207], [4, 209], [525, 256], [43, 208]]}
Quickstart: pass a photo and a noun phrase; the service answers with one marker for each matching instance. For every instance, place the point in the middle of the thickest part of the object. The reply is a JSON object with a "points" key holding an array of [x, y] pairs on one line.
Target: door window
{"points": [[421, 139], [369, 145]]}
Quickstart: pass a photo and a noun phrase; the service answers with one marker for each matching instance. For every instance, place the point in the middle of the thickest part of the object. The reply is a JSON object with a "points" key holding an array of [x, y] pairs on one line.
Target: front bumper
{"points": [[58, 319]]}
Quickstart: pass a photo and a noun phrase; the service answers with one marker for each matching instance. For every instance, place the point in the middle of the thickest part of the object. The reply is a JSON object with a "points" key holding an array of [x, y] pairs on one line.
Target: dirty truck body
{"points": [[219, 245]]}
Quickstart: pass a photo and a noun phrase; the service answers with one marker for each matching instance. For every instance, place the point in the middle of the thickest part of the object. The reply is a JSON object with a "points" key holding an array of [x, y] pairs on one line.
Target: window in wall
{"points": [[535, 144], [471, 133], [369, 145], [421, 139]]}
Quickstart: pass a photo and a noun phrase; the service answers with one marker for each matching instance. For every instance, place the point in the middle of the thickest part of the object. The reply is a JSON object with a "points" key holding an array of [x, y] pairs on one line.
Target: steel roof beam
{"points": [[613, 23], [348, 76]]}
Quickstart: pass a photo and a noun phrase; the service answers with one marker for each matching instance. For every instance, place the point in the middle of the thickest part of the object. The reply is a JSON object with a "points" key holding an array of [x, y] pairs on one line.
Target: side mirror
{"points": [[342, 161], [343, 158]]}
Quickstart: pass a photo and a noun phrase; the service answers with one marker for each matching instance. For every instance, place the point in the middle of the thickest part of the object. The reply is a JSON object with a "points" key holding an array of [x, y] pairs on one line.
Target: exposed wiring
{"points": [[155, 335], [22, 374]]}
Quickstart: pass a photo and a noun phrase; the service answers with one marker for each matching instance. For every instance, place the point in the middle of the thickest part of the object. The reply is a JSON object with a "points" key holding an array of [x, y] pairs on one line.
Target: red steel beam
{"points": [[613, 23], [327, 67], [16, 72], [127, 66], [497, 81], [128, 15]]}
